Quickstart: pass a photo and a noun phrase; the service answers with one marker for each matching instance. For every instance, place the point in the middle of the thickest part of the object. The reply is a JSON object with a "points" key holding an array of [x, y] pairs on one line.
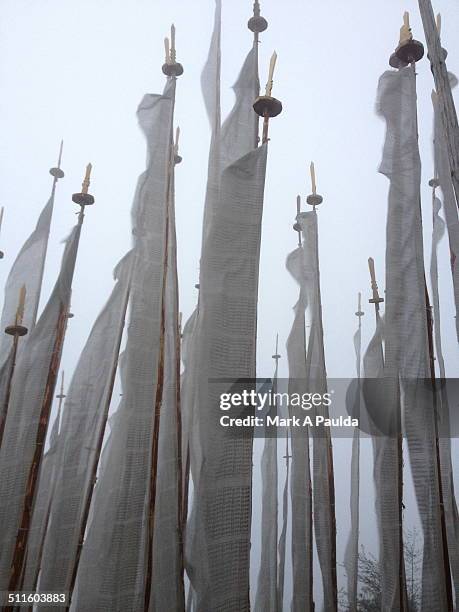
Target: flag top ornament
{"points": [[17, 329], [171, 67], [314, 199], [409, 50], [376, 299], [359, 312], [276, 355], [177, 158], [438, 24], [84, 198], [267, 106], [257, 23], [296, 225], [57, 171], [61, 395]]}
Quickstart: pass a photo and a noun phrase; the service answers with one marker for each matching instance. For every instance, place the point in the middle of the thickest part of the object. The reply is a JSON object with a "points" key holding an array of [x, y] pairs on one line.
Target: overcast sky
{"points": [[78, 69]]}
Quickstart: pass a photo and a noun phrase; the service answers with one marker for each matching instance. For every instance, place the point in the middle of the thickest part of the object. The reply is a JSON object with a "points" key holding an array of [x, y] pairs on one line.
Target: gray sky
{"points": [[78, 69]]}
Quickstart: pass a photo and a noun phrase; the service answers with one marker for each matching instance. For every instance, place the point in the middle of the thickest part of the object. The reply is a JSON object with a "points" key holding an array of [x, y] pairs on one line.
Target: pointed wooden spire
{"points": [[314, 199], [84, 198], [359, 312], [17, 329], [171, 67], [267, 106], [409, 50], [276, 355], [177, 157], [376, 299]]}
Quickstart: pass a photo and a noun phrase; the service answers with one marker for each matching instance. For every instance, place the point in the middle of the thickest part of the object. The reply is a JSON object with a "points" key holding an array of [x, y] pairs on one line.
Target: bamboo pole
{"points": [[442, 84]]}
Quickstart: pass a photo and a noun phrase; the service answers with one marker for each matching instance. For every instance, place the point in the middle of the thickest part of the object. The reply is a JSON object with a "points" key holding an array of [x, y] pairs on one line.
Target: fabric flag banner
{"points": [[167, 589], [449, 497], [27, 270], [283, 535], [41, 511], [323, 478], [27, 398], [301, 491], [351, 556], [406, 349], [224, 345], [114, 563], [443, 172], [83, 424], [266, 599]]}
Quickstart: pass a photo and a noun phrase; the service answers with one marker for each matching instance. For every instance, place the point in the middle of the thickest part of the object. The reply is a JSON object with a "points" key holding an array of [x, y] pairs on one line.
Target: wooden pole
{"points": [[157, 414], [444, 537], [376, 300], [32, 479], [446, 101], [97, 453], [327, 436]]}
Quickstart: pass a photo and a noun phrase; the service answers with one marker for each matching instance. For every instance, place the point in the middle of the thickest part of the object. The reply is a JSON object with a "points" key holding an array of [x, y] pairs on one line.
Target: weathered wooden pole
{"points": [[437, 57]]}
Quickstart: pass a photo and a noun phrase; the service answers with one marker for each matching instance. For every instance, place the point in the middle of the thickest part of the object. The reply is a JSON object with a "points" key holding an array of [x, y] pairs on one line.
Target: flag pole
{"points": [[296, 225], [314, 200], [172, 69], [83, 199], [437, 56], [257, 24], [411, 51], [97, 451], [16, 330], [376, 300], [352, 564], [60, 396]]}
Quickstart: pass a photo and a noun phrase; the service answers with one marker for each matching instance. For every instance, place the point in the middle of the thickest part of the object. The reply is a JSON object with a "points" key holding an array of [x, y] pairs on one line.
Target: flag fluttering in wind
{"points": [[301, 489], [266, 599], [116, 565], [224, 346], [407, 340], [444, 443], [28, 414], [80, 441], [27, 270], [351, 556], [323, 476], [42, 509], [443, 173]]}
